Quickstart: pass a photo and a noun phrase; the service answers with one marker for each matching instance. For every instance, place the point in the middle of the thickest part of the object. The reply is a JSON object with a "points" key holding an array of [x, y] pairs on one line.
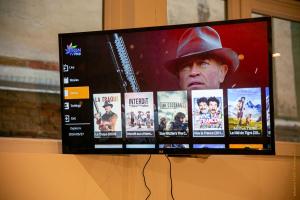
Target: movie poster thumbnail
{"points": [[244, 112], [174, 146], [107, 115], [209, 146], [268, 111], [139, 114], [140, 146], [108, 146], [208, 113], [172, 113], [246, 146]]}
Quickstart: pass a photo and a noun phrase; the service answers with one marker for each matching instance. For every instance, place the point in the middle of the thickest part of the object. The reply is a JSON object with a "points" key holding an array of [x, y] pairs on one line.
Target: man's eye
{"points": [[186, 68], [188, 64], [204, 64]]}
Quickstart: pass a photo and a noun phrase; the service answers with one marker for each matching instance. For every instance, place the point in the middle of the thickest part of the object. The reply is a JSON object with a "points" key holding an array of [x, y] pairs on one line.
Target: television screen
{"points": [[183, 89]]}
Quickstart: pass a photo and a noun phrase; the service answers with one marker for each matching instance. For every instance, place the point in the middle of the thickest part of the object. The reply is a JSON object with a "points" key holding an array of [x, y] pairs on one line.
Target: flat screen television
{"points": [[202, 88]]}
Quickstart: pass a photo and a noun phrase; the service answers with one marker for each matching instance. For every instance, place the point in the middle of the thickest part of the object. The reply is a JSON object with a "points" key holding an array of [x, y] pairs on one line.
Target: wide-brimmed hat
{"points": [[202, 41], [106, 103]]}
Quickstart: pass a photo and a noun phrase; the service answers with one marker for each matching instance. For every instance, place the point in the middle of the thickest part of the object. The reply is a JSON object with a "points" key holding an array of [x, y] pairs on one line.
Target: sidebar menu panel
{"points": [[76, 100]]}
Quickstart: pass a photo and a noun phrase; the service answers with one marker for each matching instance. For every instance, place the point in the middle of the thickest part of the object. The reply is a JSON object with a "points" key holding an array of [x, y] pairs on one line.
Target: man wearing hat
{"points": [[201, 62], [108, 119]]}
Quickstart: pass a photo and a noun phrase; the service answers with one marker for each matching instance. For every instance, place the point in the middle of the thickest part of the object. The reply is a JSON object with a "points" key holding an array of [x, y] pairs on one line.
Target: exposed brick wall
{"points": [[35, 64], [25, 114]]}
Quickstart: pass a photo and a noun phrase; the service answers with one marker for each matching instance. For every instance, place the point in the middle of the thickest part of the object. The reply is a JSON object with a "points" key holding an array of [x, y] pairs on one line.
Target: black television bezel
{"points": [[173, 151]]}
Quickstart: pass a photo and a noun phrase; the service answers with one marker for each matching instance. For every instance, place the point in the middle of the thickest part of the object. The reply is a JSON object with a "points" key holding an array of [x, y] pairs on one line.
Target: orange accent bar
{"points": [[243, 146], [77, 92]]}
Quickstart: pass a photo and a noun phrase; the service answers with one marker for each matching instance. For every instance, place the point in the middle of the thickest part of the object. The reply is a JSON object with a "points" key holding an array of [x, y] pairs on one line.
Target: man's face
{"points": [[181, 119], [213, 107], [203, 107], [202, 74], [107, 108]]}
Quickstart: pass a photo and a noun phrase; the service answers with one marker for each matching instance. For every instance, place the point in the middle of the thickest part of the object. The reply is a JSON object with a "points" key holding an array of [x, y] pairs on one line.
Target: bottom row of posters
{"points": [[180, 146], [243, 104]]}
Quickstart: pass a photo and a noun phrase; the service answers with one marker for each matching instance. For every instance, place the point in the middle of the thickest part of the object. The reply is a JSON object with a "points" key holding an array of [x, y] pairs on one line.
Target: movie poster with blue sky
{"points": [[208, 113], [244, 112]]}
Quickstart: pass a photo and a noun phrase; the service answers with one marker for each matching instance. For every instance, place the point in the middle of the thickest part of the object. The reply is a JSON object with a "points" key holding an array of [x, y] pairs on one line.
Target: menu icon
{"points": [[66, 80], [67, 118], [65, 68], [66, 106]]}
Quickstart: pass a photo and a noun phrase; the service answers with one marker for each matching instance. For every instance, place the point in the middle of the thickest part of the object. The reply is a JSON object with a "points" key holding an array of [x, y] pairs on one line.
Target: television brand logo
{"points": [[72, 50]]}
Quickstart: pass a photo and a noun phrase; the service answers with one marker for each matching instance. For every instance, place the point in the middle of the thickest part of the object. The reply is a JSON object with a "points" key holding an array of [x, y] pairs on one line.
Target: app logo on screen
{"points": [[72, 50]]}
